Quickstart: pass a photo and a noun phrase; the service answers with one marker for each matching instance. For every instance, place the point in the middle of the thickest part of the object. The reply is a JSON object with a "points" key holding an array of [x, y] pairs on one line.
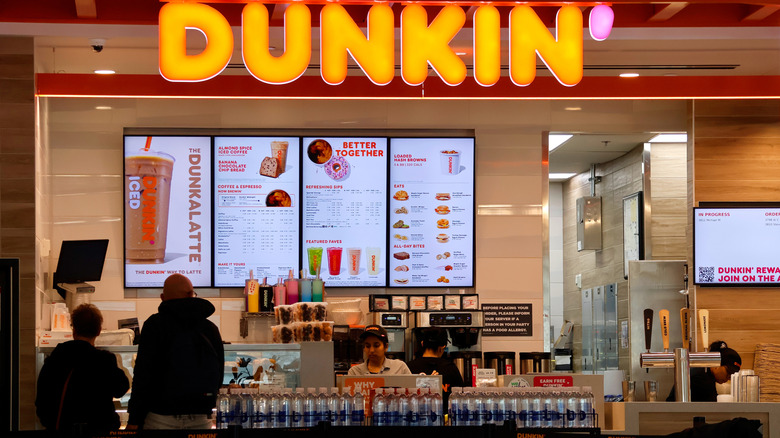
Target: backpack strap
{"points": [[62, 401]]}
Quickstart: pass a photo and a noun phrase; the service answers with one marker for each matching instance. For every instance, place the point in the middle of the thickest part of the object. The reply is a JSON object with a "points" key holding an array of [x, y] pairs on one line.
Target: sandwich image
{"points": [[443, 196], [401, 195], [442, 238]]}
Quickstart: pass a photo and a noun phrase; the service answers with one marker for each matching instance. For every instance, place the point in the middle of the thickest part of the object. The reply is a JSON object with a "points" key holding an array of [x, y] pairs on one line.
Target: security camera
{"points": [[97, 44]]}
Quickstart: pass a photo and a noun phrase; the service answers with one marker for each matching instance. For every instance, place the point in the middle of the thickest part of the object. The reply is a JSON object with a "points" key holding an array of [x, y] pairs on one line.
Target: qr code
{"points": [[706, 274]]}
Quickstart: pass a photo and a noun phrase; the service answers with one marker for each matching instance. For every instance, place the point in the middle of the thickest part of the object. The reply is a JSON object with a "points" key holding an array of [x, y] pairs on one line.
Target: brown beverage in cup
{"points": [[147, 199], [279, 151]]}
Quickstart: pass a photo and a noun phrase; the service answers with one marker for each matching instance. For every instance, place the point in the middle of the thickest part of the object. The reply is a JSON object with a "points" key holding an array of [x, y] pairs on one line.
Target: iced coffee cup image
{"points": [[373, 260], [147, 200], [450, 162], [353, 260], [279, 151]]}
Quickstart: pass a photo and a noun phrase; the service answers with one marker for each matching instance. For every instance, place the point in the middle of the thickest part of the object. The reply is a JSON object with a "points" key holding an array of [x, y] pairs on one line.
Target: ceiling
{"points": [[714, 38]]}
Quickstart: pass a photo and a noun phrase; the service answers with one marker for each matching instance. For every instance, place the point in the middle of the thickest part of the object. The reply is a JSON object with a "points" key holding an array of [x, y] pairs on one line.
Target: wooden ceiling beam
{"points": [[86, 9], [667, 11]]}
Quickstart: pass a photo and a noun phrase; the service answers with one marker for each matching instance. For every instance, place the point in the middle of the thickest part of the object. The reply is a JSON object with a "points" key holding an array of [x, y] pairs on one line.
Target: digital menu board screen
{"points": [[431, 222], [167, 209], [256, 208], [344, 210], [736, 246]]}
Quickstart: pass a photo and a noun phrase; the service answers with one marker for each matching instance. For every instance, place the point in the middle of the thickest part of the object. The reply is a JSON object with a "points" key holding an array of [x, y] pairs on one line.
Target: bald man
{"points": [[180, 363]]}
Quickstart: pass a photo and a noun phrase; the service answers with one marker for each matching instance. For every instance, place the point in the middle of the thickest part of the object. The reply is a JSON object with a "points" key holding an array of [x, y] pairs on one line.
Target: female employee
{"points": [[703, 379], [375, 342], [434, 341]]}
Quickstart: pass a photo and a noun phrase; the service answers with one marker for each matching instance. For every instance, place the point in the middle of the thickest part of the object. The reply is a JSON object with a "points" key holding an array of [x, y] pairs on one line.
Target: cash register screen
{"points": [[81, 260]]}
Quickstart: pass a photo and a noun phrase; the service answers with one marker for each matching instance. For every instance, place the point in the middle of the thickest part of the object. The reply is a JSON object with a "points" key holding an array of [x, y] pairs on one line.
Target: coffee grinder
{"points": [[397, 326], [464, 328]]}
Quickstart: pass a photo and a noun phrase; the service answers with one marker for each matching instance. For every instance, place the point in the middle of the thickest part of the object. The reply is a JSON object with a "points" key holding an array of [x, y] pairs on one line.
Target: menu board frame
{"points": [[127, 197], [300, 134], [725, 207], [472, 168]]}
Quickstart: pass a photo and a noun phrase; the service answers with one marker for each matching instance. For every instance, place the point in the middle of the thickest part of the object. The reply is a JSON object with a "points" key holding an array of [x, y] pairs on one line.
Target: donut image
{"points": [[319, 151], [337, 168], [278, 198]]}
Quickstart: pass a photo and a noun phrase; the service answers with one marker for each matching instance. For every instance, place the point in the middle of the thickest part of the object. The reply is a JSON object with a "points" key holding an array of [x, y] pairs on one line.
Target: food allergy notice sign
{"points": [[507, 320]]}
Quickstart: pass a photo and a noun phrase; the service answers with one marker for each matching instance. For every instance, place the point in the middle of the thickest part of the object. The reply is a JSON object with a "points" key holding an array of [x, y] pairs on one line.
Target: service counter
{"points": [[662, 418]]}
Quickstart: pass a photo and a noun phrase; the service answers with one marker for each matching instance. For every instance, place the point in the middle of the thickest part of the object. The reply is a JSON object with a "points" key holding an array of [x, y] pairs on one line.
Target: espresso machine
{"points": [[464, 328], [397, 326]]}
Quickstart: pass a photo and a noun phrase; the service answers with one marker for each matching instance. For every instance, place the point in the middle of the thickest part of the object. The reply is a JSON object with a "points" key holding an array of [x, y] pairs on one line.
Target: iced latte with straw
{"points": [[147, 199]]}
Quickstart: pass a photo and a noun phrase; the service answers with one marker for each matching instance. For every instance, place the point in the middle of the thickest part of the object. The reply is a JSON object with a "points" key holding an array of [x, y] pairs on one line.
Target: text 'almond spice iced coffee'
{"points": [[147, 197]]}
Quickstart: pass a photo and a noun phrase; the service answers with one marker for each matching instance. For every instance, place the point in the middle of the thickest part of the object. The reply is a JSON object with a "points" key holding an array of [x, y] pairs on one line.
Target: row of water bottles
{"points": [[406, 407], [526, 407], [281, 407]]}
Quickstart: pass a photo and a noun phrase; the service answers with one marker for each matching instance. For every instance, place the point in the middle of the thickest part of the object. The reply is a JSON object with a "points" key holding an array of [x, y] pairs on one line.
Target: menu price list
{"points": [[256, 208], [345, 210], [431, 212]]}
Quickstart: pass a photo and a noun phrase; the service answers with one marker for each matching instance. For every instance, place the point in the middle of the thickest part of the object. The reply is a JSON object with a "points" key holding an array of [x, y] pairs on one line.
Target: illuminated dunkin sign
{"points": [[422, 45]]}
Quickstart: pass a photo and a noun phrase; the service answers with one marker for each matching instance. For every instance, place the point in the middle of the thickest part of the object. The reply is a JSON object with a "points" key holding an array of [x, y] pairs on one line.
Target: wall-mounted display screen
{"points": [[256, 208], [432, 212], [167, 203], [345, 210], [355, 211], [736, 246]]}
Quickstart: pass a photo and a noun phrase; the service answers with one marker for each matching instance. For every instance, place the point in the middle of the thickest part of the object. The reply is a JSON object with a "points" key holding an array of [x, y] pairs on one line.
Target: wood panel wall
{"points": [[736, 158], [669, 201], [17, 198]]}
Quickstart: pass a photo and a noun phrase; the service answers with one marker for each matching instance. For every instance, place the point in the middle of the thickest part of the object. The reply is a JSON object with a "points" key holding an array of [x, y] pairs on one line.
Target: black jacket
{"points": [[95, 379], [450, 376], [180, 362], [702, 386]]}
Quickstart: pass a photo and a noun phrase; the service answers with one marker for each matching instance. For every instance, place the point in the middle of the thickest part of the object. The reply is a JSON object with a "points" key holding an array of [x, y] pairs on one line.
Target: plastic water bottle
{"points": [[535, 409], [572, 409], [235, 407], [379, 408], [437, 416], [464, 413], [393, 408], [547, 409], [404, 414], [344, 408], [523, 408], [323, 406], [260, 417], [454, 406], [511, 405], [310, 414], [413, 413], [283, 416], [334, 404], [358, 416], [296, 408], [501, 413], [247, 402], [223, 409], [476, 405], [586, 407], [423, 407]]}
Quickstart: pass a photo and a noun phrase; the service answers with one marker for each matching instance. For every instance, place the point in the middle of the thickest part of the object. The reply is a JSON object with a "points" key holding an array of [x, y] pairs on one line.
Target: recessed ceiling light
{"points": [[556, 140], [573, 108], [670, 137], [461, 53], [104, 72], [102, 107], [629, 75], [561, 176]]}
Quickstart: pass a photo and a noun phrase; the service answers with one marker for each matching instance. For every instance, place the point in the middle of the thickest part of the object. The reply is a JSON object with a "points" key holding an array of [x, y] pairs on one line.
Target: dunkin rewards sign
{"points": [[167, 204]]}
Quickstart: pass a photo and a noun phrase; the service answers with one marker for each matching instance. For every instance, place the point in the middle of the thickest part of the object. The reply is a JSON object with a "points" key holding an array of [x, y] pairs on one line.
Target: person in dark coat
{"points": [[180, 363], [703, 380], [434, 341], [78, 382]]}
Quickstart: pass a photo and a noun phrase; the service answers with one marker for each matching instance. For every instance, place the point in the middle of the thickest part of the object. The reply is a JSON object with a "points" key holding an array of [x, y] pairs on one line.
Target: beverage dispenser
{"points": [[464, 328], [397, 326]]}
